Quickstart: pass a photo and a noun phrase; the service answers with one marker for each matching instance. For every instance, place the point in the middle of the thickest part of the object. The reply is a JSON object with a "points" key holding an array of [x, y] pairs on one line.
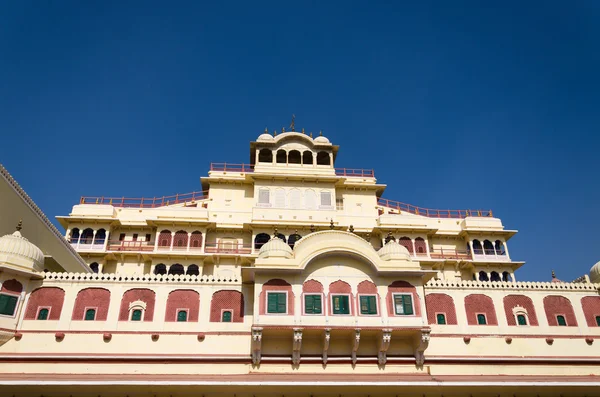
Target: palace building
{"points": [[285, 276]]}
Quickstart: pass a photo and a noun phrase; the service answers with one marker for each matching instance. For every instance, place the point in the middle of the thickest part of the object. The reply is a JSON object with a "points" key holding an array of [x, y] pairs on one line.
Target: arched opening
{"points": [[292, 239], [196, 240], [420, 246], [499, 248], [483, 276], [182, 316], [477, 248], [74, 235], [176, 269], [494, 276], [136, 315], [161, 268], [294, 157], [488, 247], [521, 319], [307, 158], [164, 238], [505, 276], [406, 242], [87, 236], [441, 318], [95, 267], [90, 315], [226, 316], [281, 157], [481, 320], [260, 240], [281, 236], [180, 239], [100, 237], [265, 156], [193, 270], [323, 158], [43, 314], [561, 320]]}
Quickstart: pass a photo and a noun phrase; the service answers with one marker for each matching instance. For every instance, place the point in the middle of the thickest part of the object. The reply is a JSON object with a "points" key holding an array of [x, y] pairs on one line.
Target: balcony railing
{"points": [[450, 253], [130, 246], [355, 172], [143, 202], [228, 248], [229, 167], [432, 213]]}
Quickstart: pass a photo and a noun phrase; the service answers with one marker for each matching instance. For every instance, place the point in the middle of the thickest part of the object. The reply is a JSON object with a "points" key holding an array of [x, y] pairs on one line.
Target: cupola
{"points": [[595, 273], [18, 253], [275, 248], [393, 251]]}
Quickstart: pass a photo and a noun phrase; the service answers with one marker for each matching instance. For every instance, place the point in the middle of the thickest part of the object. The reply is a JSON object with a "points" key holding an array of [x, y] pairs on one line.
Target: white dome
{"points": [[321, 139], [265, 137], [392, 250], [275, 248], [595, 273], [16, 250]]}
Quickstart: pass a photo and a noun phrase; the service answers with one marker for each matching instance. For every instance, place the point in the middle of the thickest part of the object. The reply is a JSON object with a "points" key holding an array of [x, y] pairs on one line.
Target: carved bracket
{"points": [[326, 338], [296, 346], [256, 345], [422, 345], [355, 342], [384, 345]]}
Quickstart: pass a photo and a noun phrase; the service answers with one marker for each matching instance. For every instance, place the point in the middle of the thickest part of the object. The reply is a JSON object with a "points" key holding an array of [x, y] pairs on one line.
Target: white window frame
{"points": [[232, 313], [332, 294], [477, 319], [187, 316], [445, 317], [37, 313], [287, 303], [564, 316], [376, 306], [18, 296], [322, 295], [85, 309], [412, 300]]}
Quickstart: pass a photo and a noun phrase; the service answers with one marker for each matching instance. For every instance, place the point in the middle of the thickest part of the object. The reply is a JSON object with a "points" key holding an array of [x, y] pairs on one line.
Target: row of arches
{"points": [[493, 276], [518, 309], [418, 245], [177, 269], [137, 304], [488, 248], [262, 238], [87, 236], [294, 157], [179, 239]]}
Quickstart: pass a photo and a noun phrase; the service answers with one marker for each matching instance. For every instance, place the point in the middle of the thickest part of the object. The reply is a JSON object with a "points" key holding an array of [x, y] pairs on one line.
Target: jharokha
{"points": [[287, 276]]}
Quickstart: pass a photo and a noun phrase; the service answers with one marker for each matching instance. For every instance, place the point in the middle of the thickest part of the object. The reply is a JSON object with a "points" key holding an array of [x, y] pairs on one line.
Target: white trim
{"points": [[484, 316], [86, 308], [287, 301], [412, 301], [37, 312], [134, 309], [187, 315], [445, 318], [322, 295], [376, 305], [564, 316], [332, 294], [228, 310], [18, 296]]}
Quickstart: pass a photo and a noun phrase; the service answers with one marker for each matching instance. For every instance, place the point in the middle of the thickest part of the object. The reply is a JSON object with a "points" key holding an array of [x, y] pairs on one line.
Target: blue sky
{"points": [[454, 104]]}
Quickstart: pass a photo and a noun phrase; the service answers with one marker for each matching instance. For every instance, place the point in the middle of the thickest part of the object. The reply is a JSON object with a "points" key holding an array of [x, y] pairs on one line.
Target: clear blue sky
{"points": [[454, 104]]}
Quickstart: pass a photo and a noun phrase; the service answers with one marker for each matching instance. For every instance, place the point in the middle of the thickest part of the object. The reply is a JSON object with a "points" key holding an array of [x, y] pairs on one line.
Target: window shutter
{"points": [[309, 303], [295, 199], [372, 305], [136, 315], [281, 303], [317, 304], [441, 319], [398, 304], [481, 319], [310, 198], [43, 314], [364, 305], [226, 317], [561, 320], [182, 316], [408, 308], [272, 303], [8, 304], [521, 319], [280, 198], [90, 315], [598, 321]]}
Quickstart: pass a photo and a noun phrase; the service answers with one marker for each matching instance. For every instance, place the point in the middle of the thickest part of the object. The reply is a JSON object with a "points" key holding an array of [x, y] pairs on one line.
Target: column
{"points": [[68, 235], [297, 291], [172, 240], [204, 240], [427, 246], [273, 157], [79, 238], [472, 250], [188, 242], [412, 241], [331, 159], [512, 276], [100, 267], [94, 237], [156, 235], [106, 239], [505, 249]]}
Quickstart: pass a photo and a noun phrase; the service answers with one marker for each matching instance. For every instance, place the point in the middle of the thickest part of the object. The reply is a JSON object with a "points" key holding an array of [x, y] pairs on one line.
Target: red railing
{"points": [[146, 202], [450, 253], [229, 167], [355, 172], [430, 212], [228, 248], [131, 246]]}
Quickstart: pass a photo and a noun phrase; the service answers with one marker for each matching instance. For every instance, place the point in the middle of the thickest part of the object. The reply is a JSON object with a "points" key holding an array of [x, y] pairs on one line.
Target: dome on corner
{"points": [[595, 273], [392, 250], [275, 248], [321, 139], [265, 137], [17, 251]]}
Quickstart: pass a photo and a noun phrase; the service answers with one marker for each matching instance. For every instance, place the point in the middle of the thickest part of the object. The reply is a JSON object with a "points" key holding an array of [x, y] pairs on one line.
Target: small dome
{"points": [[595, 273], [321, 139], [265, 137], [16, 250], [392, 250], [275, 248]]}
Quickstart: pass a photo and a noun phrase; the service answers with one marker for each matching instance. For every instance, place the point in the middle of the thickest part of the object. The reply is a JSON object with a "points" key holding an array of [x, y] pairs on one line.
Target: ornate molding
{"points": [[422, 345], [326, 339], [296, 346], [384, 345], [256, 345]]}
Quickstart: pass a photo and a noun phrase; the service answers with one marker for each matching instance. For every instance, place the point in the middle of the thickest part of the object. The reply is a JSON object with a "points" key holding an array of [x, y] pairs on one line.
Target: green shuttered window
{"points": [[403, 305], [276, 302], [226, 317], [182, 316], [136, 315], [481, 320], [341, 304], [8, 304], [90, 315], [561, 321], [312, 304], [368, 305], [521, 320], [43, 314], [441, 318]]}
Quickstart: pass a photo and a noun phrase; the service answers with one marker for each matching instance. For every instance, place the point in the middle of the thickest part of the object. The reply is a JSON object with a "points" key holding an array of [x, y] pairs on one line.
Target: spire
{"points": [[553, 274], [331, 226], [19, 225], [293, 124]]}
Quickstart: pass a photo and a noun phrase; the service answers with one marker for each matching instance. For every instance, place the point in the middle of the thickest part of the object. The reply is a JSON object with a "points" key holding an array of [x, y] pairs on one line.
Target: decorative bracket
{"points": [[326, 338], [256, 345], [355, 342], [423, 343], [384, 345], [296, 346]]}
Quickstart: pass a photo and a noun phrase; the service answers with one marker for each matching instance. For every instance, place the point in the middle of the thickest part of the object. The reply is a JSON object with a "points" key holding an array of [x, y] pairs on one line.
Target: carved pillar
{"points": [[106, 236], [355, 343], [256, 345], [172, 240], [422, 344], [326, 338], [384, 345], [296, 346], [188, 242]]}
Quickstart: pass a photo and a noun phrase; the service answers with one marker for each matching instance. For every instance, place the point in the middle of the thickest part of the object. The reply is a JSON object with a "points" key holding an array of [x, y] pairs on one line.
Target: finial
{"points": [[266, 130], [312, 228], [20, 225], [275, 232], [303, 131], [320, 133], [389, 237], [293, 124], [331, 226], [368, 237], [351, 229], [553, 274], [311, 134], [283, 130], [275, 132]]}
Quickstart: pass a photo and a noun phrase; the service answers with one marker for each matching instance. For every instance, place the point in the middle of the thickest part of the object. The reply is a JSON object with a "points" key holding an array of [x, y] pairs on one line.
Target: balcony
{"points": [[136, 246], [489, 255], [87, 245], [355, 172], [141, 202], [229, 248], [450, 253], [431, 213]]}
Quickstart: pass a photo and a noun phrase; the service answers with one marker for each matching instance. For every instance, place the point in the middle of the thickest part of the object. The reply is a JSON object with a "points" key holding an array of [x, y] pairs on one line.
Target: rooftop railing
{"points": [[244, 168], [355, 172], [228, 248], [432, 213], [450, 253], [144, 202], [130, 246]]}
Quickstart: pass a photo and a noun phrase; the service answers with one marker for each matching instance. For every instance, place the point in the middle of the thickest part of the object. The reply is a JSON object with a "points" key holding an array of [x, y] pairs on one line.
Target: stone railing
{"points": [[138, 278], [508, 285]]}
